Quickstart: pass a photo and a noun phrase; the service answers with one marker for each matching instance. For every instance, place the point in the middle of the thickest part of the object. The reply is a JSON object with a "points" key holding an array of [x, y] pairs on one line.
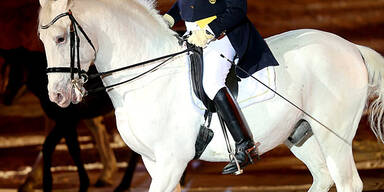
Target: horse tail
{"points": [[375, 65]]}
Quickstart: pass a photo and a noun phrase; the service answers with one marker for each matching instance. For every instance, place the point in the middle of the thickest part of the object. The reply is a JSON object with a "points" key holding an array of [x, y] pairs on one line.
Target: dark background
{"points": [[360, 21]]}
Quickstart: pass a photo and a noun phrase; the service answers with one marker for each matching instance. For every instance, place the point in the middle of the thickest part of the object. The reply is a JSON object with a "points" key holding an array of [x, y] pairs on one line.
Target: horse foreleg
{"points": [[106, 154], [49, 146], [165, 174], [74, 150], [310, 154]]}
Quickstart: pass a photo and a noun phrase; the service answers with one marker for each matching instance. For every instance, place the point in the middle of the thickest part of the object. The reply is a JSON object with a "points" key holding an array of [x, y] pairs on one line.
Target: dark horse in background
{"points": [[27, 67]]}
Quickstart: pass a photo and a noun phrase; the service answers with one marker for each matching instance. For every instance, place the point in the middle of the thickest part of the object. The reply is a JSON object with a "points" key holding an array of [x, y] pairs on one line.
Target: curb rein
{"points": [[75, 52]]}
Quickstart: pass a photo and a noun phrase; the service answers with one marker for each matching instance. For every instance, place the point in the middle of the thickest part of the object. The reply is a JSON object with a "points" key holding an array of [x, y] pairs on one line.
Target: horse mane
{"points": [[150, 5]]}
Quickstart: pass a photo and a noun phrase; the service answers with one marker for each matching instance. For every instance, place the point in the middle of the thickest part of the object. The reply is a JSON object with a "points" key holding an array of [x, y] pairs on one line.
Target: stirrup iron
{"points": [[231, 152], [232, 157]]}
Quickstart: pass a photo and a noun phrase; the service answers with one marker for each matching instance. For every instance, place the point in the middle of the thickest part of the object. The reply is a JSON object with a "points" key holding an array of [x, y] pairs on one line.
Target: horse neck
{"points": [[126, 36], [127, 32]]}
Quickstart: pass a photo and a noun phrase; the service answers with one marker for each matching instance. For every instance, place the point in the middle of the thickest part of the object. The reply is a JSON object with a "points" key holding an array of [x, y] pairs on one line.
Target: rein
{"points": [[75, 52], [103, 74]]}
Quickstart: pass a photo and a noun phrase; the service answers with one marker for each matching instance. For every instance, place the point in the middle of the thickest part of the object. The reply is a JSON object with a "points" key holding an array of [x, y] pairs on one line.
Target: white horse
{"points": [[327, 76]]}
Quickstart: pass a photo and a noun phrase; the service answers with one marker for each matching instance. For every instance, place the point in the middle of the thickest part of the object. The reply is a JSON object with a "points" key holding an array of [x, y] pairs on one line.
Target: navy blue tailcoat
{"points": [[232, 20]]}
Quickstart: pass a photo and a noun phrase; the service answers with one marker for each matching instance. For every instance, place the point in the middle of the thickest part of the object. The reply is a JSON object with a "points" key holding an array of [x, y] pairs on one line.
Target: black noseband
{"points": [[81, 73]]}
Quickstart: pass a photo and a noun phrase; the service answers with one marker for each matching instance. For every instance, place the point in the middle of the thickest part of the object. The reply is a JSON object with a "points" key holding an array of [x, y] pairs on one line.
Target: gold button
{"points": [[192, 6], [212, 1]]}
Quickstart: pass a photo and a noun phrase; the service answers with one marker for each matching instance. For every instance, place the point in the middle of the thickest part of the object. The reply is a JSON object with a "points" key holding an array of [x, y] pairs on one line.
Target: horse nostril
{"points": [[59, 97]]}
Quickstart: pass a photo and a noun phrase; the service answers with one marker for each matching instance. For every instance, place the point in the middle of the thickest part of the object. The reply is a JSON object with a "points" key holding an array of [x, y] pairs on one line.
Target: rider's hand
{"points": [[200, 37], [169, 20]]}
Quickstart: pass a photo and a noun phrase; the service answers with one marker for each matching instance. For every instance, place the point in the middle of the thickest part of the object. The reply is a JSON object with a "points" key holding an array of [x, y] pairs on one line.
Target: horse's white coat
{"points": [[320, 72]]}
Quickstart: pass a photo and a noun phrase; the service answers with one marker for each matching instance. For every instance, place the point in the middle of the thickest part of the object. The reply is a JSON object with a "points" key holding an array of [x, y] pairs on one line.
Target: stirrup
{"points": [[232, 157], [250, 155]]}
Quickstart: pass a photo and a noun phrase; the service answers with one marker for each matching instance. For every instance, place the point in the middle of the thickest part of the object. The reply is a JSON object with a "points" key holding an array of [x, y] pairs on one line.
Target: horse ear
{"points": [[42, 2]]}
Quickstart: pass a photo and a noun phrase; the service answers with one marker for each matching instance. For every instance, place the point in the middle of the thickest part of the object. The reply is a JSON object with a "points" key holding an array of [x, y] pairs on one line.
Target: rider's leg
{"points": [[216, 69], [228, 109]]}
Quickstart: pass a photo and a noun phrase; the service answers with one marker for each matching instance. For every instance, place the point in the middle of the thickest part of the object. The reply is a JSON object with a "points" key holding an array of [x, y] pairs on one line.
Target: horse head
{"points": [[58, 36]]}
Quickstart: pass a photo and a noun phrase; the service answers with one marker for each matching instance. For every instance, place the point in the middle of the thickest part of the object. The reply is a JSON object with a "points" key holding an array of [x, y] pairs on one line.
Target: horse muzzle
{"points": [[64, 97], [61, 98]]}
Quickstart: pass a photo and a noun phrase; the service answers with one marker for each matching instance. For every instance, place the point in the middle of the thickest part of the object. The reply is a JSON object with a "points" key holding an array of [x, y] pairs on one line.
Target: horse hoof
{"points": [[103, 183]]}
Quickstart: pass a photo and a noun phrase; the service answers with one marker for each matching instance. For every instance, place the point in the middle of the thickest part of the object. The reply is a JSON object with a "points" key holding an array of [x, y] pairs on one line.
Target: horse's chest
{"points": [[135, 132]]}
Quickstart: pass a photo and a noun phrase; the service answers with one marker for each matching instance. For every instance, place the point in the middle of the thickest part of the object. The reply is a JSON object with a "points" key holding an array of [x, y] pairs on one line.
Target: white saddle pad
{"points": [[250, 90]]}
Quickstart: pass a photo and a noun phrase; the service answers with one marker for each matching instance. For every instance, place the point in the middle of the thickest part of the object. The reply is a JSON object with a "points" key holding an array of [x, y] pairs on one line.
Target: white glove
{"points": [[169, 20], [200, 38]]}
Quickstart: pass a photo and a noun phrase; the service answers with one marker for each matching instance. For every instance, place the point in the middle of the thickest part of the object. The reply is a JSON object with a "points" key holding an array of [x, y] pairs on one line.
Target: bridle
{"points": [[83, 77], [74, 51]]}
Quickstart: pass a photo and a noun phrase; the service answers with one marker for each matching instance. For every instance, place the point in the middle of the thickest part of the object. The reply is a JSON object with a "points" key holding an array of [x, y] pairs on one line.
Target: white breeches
{"points": [[216, 68]]}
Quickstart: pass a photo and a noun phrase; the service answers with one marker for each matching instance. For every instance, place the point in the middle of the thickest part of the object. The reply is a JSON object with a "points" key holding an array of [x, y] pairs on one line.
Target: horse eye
{"points": [[60, 39]]}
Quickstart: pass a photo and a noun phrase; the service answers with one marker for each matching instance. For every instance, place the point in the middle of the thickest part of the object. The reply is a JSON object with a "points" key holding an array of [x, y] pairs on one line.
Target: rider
{"points": [[222, 27]]}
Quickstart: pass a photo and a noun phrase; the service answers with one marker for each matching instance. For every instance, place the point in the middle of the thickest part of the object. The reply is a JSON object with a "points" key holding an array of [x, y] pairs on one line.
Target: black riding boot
{"points": [[229, 110]]}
